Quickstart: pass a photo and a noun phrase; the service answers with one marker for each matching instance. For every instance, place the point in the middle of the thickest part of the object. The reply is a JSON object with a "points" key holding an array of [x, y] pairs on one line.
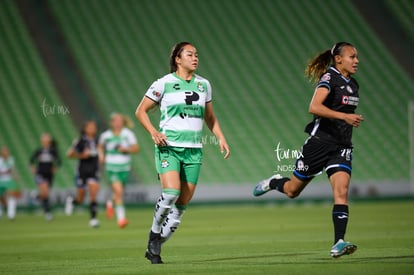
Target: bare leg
{"points": [[294, 187], [118, 190], [80, 195], [340, 185]]}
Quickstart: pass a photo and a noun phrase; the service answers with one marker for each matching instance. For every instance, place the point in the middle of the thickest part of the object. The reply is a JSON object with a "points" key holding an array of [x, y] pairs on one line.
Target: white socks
{"points": [[163, 207], [11, 207], [120, 212], [172, 222]]}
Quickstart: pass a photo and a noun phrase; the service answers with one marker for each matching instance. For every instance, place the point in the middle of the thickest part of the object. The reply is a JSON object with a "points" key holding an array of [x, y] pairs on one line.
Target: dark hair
{"points": [[319, 64], [176, 51], [54, 144], [85, 123]]}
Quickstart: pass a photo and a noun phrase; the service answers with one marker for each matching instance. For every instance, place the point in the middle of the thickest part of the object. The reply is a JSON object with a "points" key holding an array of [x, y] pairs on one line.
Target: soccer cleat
{"points": [[69, 206], [263, 186], [109, 210], [154, 259], [94, 223], [122, 223], [48, 216], [342, 248], [154, 248]]}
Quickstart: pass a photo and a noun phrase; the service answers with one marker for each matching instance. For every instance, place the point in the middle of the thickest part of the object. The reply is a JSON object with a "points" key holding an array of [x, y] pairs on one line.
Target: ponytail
{"points": [[318, 65], [127, 121], [54, 144]]}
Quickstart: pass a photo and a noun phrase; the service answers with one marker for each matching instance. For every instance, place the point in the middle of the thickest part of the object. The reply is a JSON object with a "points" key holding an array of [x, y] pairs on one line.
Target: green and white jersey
{"points": [[114, 160], [6, 168], [182, 105]]}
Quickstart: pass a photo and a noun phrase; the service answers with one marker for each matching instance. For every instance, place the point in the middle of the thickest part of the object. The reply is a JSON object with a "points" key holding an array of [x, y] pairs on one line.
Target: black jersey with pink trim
{"points": [[343, 97]]}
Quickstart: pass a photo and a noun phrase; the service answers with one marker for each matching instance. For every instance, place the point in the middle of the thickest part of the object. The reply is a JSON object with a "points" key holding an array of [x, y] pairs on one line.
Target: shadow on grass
{"points": [[345, 259], [256, 257]]}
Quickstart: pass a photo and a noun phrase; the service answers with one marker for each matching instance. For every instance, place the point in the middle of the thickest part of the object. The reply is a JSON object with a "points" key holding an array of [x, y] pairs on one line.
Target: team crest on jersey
{"points": [[349, 89], [326, 77], [200, 87], [164, 163]]}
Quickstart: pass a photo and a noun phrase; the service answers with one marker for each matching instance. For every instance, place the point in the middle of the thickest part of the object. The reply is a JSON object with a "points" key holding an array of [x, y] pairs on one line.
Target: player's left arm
{"points": [[101, 149], [214, 126]]}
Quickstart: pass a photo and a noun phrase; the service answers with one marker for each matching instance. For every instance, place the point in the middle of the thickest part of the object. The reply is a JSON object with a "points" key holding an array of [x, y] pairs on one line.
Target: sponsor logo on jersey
{"points": [[326, 77], [156, 94], [350, 100], [191, 97]]}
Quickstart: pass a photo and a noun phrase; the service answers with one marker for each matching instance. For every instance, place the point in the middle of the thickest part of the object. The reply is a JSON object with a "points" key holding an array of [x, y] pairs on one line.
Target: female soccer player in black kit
{"points": [[85, 149], [44, 163], [329, 145]]}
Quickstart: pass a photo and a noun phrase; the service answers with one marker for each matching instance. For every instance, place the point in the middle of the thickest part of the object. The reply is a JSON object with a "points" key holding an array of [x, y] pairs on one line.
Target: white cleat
{"points": [[263, 186], [94, 223]]}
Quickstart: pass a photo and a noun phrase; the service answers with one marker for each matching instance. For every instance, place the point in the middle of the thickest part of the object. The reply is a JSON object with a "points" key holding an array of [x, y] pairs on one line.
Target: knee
{"points": [[293, 194]]}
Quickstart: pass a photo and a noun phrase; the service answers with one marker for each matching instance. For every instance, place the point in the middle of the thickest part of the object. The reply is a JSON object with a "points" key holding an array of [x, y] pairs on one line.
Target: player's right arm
{"points": [[142, 115], [317, 108]]}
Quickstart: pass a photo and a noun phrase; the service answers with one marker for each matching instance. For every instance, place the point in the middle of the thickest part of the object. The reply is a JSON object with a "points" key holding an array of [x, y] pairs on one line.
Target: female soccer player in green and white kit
{"points": [[115, 147], [185, 101]]}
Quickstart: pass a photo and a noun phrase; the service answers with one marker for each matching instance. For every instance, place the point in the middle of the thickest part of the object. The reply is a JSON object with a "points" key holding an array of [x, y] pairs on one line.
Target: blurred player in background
{"points": [[9, 191], [329, 145], [185, 100], [115, 148], [44, 163], [85, 150]]}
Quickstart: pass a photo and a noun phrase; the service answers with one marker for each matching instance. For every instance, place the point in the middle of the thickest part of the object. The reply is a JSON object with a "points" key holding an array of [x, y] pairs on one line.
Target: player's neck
{"points": [[117, 131], [184, 74], [344, 73]]}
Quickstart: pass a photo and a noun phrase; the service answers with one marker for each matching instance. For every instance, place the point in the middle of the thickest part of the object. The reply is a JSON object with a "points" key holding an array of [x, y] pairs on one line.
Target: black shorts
{"points": [[83, 178], [44, 178], [318, 154]]}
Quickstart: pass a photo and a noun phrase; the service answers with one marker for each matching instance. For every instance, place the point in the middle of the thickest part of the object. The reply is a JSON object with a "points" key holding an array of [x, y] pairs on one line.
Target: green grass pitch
{"points": [[216, 239]]}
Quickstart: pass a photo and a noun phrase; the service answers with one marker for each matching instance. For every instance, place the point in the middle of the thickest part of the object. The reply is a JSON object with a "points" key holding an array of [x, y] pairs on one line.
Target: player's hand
{"points": [[159, 139], [123, 150], [354, 119], [85, 154], [224, 148]]}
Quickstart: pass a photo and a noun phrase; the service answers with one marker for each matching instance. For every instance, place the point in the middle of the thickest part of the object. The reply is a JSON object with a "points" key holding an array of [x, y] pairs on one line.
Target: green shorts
{"points": [[186, 161], [7, 185], [117, 176]]}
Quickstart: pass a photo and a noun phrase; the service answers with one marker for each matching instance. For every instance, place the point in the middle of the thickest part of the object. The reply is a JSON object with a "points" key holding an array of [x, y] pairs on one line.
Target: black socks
{"points": [[340, 220], [278, 184], [93, 207], [45, 204]]}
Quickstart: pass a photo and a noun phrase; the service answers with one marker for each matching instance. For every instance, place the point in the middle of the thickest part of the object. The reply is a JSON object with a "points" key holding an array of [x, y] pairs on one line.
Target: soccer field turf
{"points": [[232, 239]]}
